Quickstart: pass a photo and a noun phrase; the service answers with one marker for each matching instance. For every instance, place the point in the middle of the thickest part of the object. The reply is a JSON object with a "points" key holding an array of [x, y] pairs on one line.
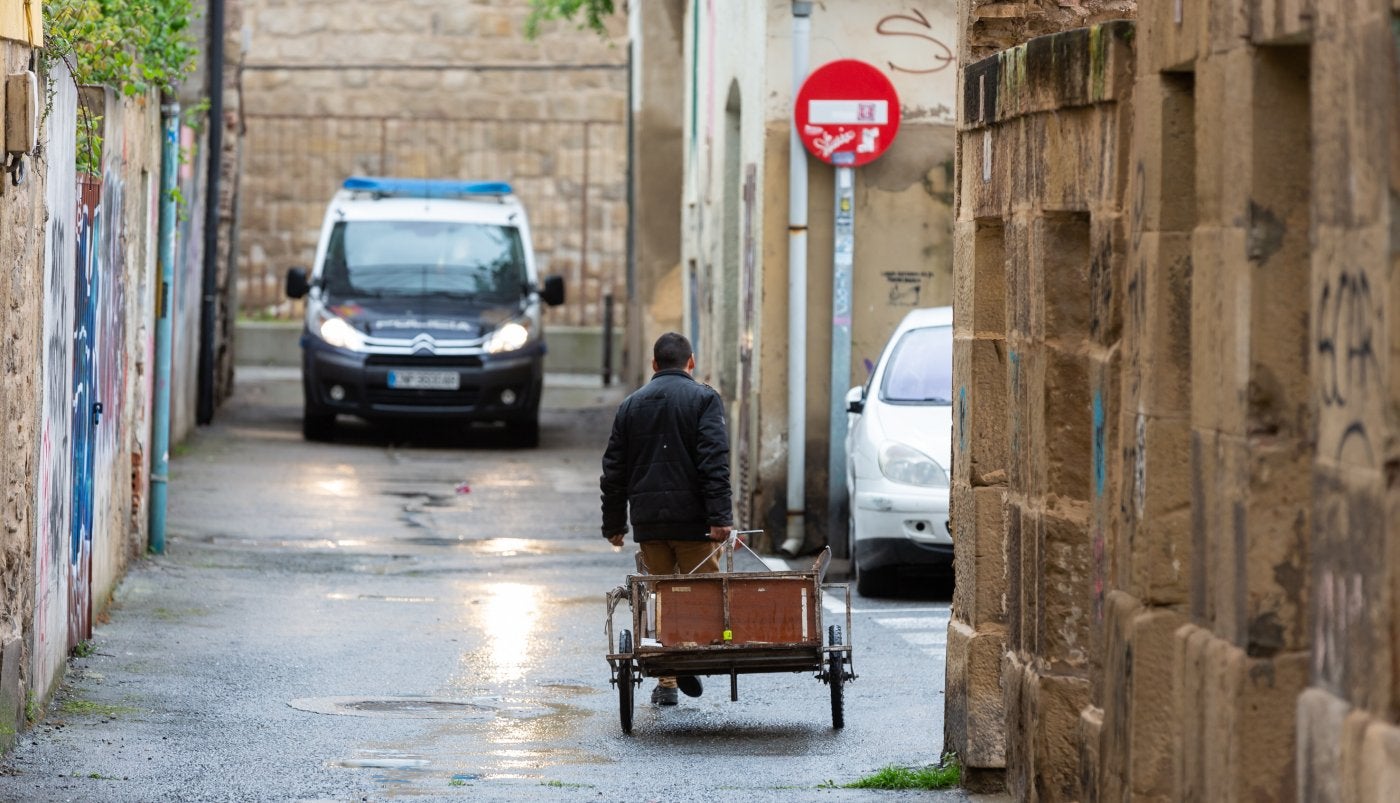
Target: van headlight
{"points": [[336, 331], [510, 336], [903, 463]]}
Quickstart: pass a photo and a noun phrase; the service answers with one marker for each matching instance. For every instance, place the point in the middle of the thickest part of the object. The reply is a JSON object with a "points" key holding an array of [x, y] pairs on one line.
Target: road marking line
{"points": [[913, 623], [925, 639]]}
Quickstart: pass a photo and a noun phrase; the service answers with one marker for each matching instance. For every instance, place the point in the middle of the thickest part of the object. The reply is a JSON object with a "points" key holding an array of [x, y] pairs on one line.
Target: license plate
{"points": [[424, 380]]}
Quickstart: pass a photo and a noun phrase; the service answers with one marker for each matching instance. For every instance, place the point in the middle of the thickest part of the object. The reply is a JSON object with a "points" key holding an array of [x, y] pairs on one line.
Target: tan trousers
{"points": [[679, 557]]}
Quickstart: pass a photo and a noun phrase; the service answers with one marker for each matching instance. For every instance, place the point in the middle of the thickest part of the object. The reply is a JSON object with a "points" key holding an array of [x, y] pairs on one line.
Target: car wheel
{"points": [[870, 582], [525, 432], [317, 424]]}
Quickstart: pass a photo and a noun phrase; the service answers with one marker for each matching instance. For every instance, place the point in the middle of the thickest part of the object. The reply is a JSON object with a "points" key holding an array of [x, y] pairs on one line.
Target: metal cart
{"points": [[729, 623]]}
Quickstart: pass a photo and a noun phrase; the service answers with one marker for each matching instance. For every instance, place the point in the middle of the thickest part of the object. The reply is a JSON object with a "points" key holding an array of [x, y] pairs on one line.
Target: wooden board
{"points": [[762, 610], [774, 611]]}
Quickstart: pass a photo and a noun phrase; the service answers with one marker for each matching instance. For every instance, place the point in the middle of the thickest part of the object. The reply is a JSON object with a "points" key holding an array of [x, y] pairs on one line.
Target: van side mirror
{"points": [[855, 400], [553, 291], [297, 283]]}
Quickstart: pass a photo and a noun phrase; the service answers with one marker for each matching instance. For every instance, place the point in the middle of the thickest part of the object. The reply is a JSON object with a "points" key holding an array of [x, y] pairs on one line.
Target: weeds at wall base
{"points": [[944, 775]]}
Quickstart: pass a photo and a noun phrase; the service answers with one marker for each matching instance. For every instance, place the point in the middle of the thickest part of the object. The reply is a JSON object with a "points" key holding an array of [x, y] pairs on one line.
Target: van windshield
{"points": [[424, 258]]}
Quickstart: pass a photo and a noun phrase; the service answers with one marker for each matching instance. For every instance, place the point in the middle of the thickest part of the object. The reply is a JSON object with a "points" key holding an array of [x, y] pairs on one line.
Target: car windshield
{"points": [[920, 369], [424, 258]]}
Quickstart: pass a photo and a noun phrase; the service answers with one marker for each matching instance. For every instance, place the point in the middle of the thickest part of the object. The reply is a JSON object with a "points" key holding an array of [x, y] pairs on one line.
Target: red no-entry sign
{"points": [[847, 113]]}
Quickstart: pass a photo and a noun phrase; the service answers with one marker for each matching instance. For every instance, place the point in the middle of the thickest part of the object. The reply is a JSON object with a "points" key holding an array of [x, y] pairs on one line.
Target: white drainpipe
{"points": [[797, 295]]}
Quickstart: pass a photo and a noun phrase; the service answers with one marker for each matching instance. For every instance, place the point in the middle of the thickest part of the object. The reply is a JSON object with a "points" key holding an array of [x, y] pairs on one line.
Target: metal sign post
{"points": [[847, 114], [843, 261]]}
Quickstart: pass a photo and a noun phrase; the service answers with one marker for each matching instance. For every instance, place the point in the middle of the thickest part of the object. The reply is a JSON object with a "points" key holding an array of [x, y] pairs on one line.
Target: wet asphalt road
{"points": [[418, 615]]}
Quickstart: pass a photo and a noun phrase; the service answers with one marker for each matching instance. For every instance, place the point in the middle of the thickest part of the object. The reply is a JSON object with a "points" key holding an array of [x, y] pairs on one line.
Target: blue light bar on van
{"points": [[425, 187]]}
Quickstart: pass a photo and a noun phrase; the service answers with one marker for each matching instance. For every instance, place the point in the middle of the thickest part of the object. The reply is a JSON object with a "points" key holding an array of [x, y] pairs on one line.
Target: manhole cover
{"points": [[395, 707]]}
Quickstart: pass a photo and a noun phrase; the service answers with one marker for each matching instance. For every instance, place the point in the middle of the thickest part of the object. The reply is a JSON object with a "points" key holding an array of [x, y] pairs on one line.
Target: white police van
{"points": [[423, 302]]}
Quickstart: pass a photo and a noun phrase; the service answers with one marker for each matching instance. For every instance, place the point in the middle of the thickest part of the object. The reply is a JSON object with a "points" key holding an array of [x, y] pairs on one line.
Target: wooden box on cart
{"points": [[762, 608]]}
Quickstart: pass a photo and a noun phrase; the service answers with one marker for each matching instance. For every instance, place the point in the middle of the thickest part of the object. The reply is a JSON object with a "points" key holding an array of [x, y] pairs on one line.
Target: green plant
{"points": [[31, 708], [132, 46], [89, 142], [943, 775], [87, 707], [594, 11]]}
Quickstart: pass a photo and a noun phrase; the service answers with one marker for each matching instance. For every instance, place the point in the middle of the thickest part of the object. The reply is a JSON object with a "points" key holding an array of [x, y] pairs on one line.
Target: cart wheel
{"points": [[624, 681], [836, 678]]}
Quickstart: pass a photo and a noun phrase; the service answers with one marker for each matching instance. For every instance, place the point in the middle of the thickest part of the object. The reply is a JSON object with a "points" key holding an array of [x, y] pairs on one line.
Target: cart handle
{"points": [[727, 546]]}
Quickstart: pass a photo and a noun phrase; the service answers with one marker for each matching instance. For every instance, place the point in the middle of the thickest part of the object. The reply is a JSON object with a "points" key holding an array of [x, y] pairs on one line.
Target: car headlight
{"points": [[511, 336], [902, 463], [337, 332]]}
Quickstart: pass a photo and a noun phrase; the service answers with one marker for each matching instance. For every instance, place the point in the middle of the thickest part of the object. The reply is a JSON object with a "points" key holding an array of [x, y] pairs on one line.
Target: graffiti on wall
{"points": [[1350, 325], [915, 24], [905, 286], [1348, 318], [54, 480], [111, 467], [84, 411]]}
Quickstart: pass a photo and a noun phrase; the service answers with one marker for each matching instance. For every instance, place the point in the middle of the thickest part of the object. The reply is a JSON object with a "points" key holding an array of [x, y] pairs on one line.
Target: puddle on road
{"points": [[572, 688], [381, 763], [339, 596], [479, 710], [456, 751], [280, 543], [499, 547]]}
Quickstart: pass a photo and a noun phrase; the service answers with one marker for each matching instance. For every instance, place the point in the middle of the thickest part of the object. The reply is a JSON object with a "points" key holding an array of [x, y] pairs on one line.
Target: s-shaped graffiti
{"points": [[898, 25]]}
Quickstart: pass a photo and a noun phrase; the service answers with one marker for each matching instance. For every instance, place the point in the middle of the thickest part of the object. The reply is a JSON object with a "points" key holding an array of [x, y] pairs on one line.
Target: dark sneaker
{"points": [[663, 696], [690, 684]]}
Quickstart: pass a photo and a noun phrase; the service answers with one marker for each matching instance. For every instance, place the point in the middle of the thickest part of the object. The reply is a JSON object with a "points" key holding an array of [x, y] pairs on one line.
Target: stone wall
{"points": [[1040, 234], [433, 88], [21, 305], [1177, 307], [990, 26]]}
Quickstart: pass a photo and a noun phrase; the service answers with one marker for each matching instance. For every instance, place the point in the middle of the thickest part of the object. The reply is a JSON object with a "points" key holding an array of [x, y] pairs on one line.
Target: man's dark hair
{"points": [[671, 351]]}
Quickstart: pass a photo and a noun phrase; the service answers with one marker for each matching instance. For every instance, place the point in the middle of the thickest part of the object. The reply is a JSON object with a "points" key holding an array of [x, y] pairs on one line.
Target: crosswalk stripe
{"points": [[925, 638], [927, 631], [913, 622]]}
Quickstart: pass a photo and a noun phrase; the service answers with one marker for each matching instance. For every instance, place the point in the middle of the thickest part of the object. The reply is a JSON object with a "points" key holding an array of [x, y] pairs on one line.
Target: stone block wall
{"points": [[1178, 298], [1036, 356]]}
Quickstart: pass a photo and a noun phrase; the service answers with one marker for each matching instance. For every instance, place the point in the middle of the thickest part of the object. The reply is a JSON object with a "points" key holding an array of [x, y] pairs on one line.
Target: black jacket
{"points": [[668, 459]]}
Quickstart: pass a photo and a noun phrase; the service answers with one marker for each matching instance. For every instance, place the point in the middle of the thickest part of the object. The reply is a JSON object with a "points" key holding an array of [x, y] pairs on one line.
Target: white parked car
{"points": [[899, 448]]}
